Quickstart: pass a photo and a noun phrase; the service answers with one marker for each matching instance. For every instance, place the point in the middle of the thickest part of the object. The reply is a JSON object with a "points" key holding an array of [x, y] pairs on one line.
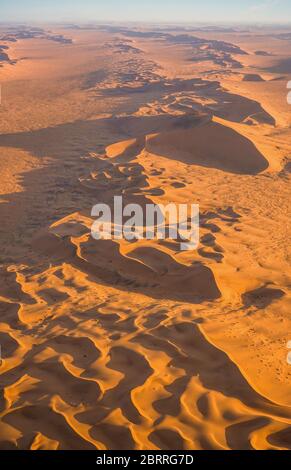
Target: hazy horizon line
{"points": [[147, 22]]}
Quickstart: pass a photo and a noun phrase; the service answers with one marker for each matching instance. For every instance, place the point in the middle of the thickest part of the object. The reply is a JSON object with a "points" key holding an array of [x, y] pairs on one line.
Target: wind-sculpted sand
{"points": [[113, 344]]}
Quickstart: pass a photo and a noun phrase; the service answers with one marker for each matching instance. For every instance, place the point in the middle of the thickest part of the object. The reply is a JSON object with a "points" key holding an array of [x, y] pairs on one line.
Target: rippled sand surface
{"points": [[138, 345]]}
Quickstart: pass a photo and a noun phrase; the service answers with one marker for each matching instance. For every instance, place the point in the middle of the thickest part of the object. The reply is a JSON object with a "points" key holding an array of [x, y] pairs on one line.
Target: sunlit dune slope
{"points": [[116, 344]]}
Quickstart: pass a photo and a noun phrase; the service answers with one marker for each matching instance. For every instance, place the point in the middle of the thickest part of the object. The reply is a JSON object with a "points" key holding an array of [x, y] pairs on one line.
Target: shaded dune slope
{"points": [[212, 145], [106, 344]]}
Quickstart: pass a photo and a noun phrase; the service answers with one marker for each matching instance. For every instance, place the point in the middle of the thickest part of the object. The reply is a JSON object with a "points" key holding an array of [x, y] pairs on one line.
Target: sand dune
{"points": [[138, 345], [252, 77], [211, 145]]}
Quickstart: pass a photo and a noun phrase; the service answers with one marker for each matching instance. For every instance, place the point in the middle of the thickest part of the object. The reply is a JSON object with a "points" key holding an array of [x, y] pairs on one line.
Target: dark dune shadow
{"points": [[53, 191], [140, 80], [282, 66], [261, 298], [212, 145], [190, 350], [238, 436], [33, 419], [167, 439], [41, 208], [252, 77], [226, 105], [281, 438], [237, 108]]}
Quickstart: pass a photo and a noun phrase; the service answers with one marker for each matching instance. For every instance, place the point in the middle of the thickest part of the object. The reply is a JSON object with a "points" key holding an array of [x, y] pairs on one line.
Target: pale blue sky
{"points": [[147, 10]]}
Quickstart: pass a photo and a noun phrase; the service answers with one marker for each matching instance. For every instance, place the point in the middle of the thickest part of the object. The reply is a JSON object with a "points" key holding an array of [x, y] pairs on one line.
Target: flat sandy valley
{"points": [[114, 344]]}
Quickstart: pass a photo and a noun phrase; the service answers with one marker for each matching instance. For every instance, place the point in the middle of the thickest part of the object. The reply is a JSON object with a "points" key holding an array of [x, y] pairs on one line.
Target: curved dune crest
{"points": [[212, 145], [137, 271], [118, 344], [127, 148]]}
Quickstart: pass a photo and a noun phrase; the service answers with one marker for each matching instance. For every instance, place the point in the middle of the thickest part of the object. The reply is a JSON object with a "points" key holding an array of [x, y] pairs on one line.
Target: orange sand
{"points": [[118, 345]]}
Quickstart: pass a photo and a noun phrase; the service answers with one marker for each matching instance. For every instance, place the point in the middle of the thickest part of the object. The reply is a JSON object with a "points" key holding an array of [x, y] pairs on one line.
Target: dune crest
{"points": [[112, 344], [211, 145]]}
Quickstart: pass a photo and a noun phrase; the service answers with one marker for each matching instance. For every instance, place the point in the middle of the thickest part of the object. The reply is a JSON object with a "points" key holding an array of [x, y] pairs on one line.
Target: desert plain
{"points": [[113, 344]]}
